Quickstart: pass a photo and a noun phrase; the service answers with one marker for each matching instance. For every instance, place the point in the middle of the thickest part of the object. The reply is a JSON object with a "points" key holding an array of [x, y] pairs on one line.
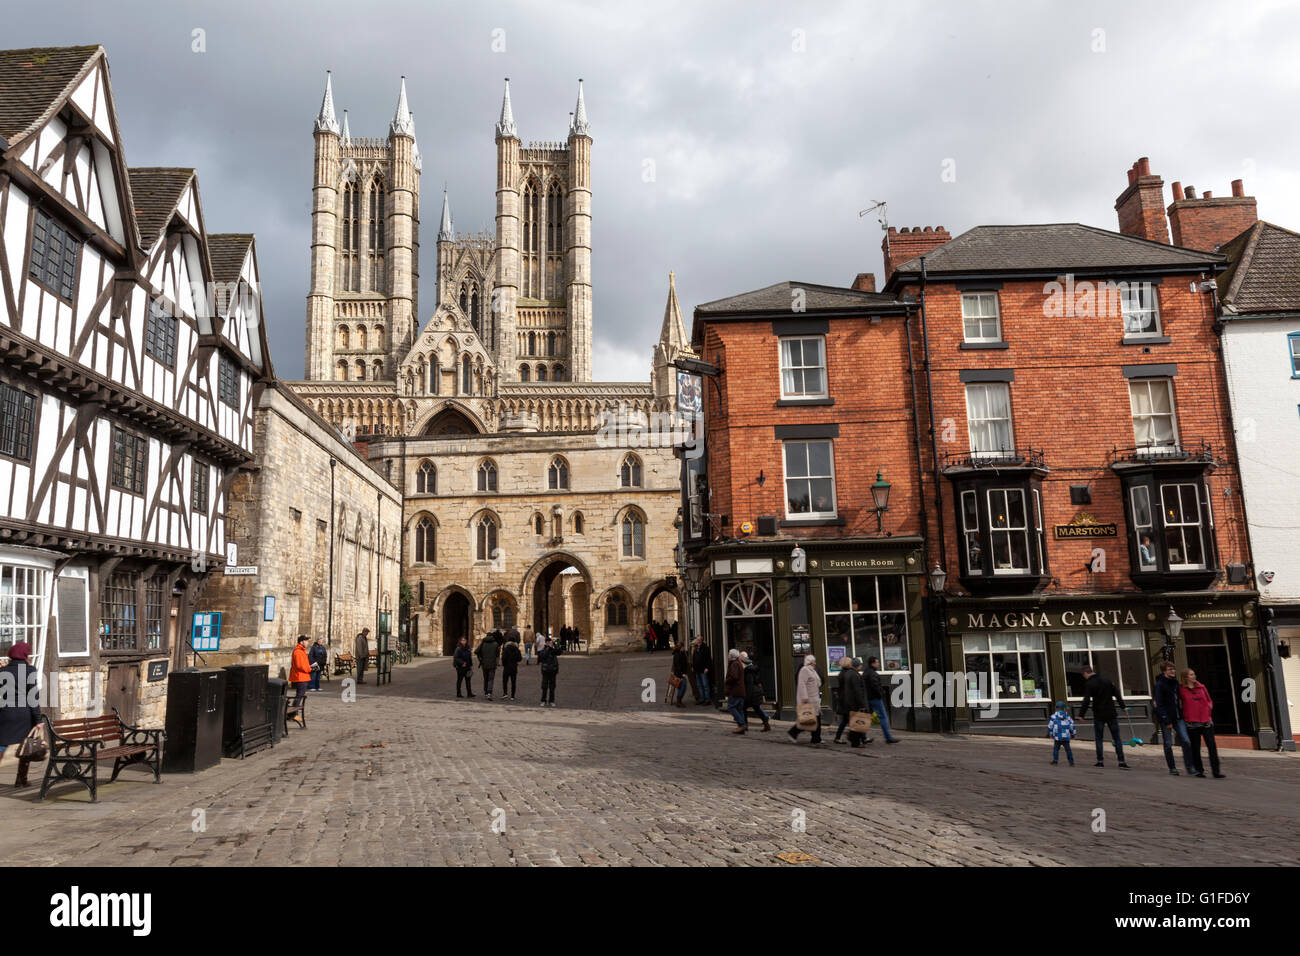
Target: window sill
{"points": [[971, 346], [812, 522], [790, 402], [1145, 340]]}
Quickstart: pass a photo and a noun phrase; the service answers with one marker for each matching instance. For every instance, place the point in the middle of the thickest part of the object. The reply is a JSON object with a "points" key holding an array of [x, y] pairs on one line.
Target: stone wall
{"points": [[279, 515]]}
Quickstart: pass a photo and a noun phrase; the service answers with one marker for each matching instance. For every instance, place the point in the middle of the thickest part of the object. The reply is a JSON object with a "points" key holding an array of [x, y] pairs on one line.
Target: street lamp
{"points": [[1173, 628], [938, 578], [880, 494]]}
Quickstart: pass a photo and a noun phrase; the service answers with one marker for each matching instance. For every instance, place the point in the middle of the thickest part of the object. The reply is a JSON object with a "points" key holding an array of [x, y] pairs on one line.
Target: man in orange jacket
{"points": [[300, 670]]}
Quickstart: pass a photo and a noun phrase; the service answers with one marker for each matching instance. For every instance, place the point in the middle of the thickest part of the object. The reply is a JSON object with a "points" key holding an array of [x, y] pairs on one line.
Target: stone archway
{"points": [[663, 606], [455, 615], [548, 583]]}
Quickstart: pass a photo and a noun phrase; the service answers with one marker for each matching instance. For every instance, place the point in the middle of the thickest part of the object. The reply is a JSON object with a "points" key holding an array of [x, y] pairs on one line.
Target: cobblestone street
{"points": [[406, 776]]}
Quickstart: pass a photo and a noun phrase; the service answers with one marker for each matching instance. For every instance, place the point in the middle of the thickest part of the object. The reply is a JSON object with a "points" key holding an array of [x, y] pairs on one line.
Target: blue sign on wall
{"points": [[206, 632]]}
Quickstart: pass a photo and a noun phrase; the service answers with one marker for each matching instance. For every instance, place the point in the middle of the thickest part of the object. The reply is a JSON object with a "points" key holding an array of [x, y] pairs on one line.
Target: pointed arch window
{"points": [[616, 609], [633, 527], [435, 373], [532, 343], [550, 345], [487, 476], [532, 287], [426, 478], [464, 298], [577, 522], [630, 473], [426, 541], [475, 319], [557, 475], [554, 239], [466, 380], [539, 524], [503, 611], [485, 537]]}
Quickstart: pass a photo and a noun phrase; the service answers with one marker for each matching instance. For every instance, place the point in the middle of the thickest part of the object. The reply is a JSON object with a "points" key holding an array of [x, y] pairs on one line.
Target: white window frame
{"points": [[1168, 384], [1149, 528], [1113, 672], [1153, 308], [996, 317], [785, 481], [1019, 652], [970, 423], [781, 343], [1198, 525], [1010, 529]]}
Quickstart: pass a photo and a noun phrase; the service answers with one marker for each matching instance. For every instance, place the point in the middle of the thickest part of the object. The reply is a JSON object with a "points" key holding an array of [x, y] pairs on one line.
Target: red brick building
{"points": [[809, 410], [1082, 463]]}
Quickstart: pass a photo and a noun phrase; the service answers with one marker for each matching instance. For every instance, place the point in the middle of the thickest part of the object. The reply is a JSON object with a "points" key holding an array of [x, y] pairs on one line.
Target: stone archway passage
{"points": [[664, 610], [455, 621]]}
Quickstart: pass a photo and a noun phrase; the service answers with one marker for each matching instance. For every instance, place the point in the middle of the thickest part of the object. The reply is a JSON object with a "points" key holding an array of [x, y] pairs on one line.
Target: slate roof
{"points": [[1049, 247], [780, 297], [155, 192], [33, 80], [226, 252], [1263, 273]]}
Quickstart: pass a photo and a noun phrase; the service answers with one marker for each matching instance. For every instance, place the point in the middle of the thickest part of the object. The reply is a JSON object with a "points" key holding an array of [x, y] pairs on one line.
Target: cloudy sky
{"points": [[735, 142]]}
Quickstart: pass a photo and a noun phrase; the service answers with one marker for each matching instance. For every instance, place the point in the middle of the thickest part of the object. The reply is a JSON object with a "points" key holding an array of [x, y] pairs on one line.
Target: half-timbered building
{"points": [[129, 371]]}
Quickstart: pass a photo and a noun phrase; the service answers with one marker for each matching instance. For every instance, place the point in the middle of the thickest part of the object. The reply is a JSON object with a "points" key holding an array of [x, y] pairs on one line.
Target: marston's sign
{"points": [[1085, 525]]}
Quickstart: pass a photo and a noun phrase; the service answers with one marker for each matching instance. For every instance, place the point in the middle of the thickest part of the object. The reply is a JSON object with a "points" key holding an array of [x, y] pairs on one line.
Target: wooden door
{"points": [[123, 690]]}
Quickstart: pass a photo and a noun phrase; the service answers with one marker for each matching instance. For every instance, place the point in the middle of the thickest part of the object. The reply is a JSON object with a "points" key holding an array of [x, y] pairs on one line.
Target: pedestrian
{"points": [[22, 713], [488, 653], [733, 685], [300, 671], [1102, 696], [1169, 717], [319, 658], [510, 658], [649, 637], [463, 661], [528, 639], [753, 691], [702, 661], [679, 666], [852, 697], [1060, 727], [361, 649], [539, 641], [549, 662], [1198, 711], [808, 693], [512, 635], [876, 697]]}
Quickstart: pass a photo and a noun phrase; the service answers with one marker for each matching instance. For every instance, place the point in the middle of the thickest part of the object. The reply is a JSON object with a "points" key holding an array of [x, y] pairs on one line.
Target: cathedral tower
{"points": [[362, 301]]}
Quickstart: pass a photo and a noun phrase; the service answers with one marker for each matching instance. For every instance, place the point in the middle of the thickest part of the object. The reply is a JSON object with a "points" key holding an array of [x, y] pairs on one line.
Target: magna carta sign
{"points": [[1085, 525]]}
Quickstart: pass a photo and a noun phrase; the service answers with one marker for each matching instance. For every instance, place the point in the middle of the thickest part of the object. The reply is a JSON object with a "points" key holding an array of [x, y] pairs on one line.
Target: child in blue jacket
{"points": [[1061, 730]]}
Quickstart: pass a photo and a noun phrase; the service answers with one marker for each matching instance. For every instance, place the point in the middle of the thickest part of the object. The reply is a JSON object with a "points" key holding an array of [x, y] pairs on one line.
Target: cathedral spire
{"points": [[673, 332], [325, 121], [347, 134], [402, 124], [506, 125], [445, 233], [580, 125]]}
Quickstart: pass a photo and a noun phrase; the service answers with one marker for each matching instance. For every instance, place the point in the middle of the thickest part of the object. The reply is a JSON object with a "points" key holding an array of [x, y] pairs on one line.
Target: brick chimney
{"points": [[865, 282], [900, 245], [1141, 206], [1208, 222]]}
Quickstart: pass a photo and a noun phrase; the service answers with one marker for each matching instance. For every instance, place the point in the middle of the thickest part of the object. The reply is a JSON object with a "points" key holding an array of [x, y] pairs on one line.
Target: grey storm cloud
{"points": [[735, 142]]}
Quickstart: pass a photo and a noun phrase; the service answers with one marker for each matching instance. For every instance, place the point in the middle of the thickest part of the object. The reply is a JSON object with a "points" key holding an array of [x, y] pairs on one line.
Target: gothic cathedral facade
{"points": [[532, 494]]}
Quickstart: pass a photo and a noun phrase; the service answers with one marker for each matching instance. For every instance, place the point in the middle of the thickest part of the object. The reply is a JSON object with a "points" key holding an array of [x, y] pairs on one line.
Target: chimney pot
{"points": [[1189, 192], [1207, 195], [1178, 191], [1144, 166], [1132, 175], [1238, 189]]}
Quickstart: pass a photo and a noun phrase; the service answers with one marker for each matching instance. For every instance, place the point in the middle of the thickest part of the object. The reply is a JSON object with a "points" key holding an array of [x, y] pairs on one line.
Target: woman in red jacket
{"points": [[1198, 712]]}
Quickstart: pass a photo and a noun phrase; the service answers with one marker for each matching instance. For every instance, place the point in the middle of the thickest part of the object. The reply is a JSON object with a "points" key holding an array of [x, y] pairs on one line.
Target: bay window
{"points": [[1170, 524]]}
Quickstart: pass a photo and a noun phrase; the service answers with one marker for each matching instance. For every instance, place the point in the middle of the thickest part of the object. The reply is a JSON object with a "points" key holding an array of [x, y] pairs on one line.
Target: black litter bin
{"points": [[277, 702], [196, 704], [247, 723]]}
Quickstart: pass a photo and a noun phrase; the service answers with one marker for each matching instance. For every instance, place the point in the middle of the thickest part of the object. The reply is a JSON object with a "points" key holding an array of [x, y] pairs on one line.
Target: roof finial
{"points": [[402, 124], [445, 233], [347, 135], [506, 125], [580, 125], [325, 121]]}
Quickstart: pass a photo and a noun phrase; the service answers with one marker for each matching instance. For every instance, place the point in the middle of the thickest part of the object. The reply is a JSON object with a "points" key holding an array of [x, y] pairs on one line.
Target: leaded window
{"points": [[54, 256]]}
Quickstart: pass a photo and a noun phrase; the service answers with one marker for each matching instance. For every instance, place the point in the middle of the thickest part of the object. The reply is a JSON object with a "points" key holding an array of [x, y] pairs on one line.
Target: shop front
{"points": [[780, 600], [1016, 658]]}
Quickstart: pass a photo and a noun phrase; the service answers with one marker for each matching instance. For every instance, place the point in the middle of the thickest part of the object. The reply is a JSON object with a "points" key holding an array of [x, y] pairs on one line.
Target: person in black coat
{"points": [[463, 661], [754, 691], [1169, 716], [702, 663], [679, 667], [318, 656], [510, 658], [852, 697], [549, 663], [22, 711], [1102, 696]]}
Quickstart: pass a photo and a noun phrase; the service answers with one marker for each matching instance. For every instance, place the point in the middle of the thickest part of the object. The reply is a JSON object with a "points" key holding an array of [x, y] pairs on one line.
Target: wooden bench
{"points": [[78, 745], [344, 663]]}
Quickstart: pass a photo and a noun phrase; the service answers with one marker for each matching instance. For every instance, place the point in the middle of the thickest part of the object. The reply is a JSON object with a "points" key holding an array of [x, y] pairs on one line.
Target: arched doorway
{"points": [[455, 621], [664, 610], [561, 595]]}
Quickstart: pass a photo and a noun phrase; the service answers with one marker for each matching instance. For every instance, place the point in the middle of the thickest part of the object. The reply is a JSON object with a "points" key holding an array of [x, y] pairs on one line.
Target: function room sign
{"points": [[1085, 525]]}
